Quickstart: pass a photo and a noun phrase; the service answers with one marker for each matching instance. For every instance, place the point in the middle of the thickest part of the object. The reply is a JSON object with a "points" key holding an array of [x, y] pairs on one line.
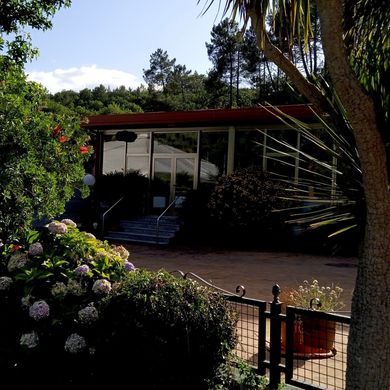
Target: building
{"points": [[183, 150]]}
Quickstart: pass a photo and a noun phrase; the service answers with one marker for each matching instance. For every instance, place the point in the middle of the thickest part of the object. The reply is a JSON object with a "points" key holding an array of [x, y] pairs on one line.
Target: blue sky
{"points": [[110, 42]]}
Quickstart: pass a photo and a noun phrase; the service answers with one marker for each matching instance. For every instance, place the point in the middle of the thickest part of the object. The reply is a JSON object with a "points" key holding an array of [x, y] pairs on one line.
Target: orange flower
{"points": [[63, 139], [84, 149]]}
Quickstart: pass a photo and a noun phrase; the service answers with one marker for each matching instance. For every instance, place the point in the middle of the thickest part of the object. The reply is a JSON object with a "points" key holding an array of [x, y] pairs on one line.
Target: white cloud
{"points": [[84, 77]]}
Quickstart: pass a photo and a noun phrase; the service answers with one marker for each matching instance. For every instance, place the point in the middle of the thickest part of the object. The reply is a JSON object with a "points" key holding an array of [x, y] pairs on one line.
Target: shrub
{"points": [[76, 312], [132, 185], [42, 154], [237, 374], [172, 333], [243, 202]]}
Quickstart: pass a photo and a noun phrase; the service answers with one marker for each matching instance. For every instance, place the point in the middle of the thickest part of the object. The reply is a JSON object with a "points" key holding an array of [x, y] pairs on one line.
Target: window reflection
{"points": [[213, 155], [186, 142]]}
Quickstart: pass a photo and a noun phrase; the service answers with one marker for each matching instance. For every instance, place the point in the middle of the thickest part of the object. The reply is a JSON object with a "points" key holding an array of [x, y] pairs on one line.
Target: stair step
{"points": [[137, 241], [144, 230], [128, 226]]}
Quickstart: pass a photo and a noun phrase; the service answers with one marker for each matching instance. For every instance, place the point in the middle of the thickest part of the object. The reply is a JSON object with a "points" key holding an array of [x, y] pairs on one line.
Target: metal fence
{"points": [[302, 347]]}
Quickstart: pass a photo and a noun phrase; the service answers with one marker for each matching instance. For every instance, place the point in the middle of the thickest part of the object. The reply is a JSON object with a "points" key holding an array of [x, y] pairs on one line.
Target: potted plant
{"points": [[313, 337]]}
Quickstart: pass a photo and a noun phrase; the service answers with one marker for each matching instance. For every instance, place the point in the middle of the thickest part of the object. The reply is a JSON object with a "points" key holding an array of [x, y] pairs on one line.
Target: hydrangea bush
{"points": [[51, 285], [75, 312]]}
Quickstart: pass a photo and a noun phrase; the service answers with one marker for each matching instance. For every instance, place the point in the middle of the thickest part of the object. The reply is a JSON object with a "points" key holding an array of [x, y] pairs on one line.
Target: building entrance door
{"points": [[173, 176]]}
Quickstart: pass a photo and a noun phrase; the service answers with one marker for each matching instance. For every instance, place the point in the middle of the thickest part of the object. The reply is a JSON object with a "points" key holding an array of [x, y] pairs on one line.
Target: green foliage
{"points": [[236, 374], [51, 283], [368, 41], [16, 15], [42, 154], [173, 332]]}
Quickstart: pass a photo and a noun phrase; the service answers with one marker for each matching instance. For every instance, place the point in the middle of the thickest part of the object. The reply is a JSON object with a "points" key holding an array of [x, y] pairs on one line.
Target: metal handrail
{"points": [[107, 211], [160, 216]]}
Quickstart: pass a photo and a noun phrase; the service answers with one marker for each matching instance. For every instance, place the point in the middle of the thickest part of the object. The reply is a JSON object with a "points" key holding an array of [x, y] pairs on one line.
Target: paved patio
{"points": [[256, 271]]}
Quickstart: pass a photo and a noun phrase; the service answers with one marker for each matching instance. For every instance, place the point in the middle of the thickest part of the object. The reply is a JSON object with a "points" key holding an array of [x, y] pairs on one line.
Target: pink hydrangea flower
{"points": [[122, 252], [57, 227], [35, 249], [69, 222]]}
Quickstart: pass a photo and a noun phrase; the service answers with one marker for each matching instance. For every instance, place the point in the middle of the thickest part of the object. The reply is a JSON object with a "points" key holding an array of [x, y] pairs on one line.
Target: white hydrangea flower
{"points": [[59, 290], [101, 286], [39, 310], [17, 261], [69, 222], [35, 249], [5, 283], [90, 235], [75, 343], [57, 227], [88, 315], [75, 288], [29, 340]]}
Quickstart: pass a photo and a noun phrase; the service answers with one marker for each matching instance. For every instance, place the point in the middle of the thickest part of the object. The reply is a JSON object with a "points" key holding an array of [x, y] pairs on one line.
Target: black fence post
{"points": [[275, 339]]}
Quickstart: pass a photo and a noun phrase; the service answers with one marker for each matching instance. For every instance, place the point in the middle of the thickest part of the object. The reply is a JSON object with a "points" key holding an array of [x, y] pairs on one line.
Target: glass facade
{"points": [[183, 160]]}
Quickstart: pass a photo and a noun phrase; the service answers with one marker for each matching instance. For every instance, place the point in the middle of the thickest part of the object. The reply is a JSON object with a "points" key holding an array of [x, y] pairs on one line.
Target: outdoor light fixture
{"points": [[89, 180]]}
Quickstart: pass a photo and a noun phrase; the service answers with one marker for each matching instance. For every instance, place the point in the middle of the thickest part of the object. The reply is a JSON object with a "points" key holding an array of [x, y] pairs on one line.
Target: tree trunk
{"points": [[368, 364], [303, 85]]}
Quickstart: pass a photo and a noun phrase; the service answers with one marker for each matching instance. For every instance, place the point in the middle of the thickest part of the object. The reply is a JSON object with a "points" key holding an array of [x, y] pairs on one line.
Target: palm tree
{"points": [[343, 29]]}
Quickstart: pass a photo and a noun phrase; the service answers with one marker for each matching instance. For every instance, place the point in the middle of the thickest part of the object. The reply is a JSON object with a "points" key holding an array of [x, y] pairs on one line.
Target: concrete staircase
{"points": [[143, 230]]}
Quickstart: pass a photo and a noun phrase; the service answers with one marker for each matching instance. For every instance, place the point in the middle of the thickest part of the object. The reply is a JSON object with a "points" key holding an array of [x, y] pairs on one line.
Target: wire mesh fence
{"points": [[312, 347]]}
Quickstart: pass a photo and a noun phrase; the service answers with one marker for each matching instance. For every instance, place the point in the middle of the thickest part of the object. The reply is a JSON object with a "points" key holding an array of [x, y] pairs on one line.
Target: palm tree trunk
{"points": [[369, 339]]}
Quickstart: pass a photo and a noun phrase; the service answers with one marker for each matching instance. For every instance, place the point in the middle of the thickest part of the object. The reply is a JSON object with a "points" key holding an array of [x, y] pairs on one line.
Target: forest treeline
{"points": [[240, 76]]}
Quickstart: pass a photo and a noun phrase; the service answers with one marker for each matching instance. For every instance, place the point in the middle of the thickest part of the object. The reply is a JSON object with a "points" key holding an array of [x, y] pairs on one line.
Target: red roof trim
{"points": [[215, 117]]}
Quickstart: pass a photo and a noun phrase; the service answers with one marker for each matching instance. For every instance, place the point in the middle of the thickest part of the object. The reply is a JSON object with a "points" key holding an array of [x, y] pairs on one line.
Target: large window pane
{"points": [[140, 145], [114, 157], [213, 155], [249, 149], [185, 168], [139, 164], [173, 143]]}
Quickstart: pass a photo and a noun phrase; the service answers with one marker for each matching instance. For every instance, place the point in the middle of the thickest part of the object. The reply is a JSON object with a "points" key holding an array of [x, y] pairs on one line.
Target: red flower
{"points": [[15, 247], [84, 149], [56, 130], [63, 139]]}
